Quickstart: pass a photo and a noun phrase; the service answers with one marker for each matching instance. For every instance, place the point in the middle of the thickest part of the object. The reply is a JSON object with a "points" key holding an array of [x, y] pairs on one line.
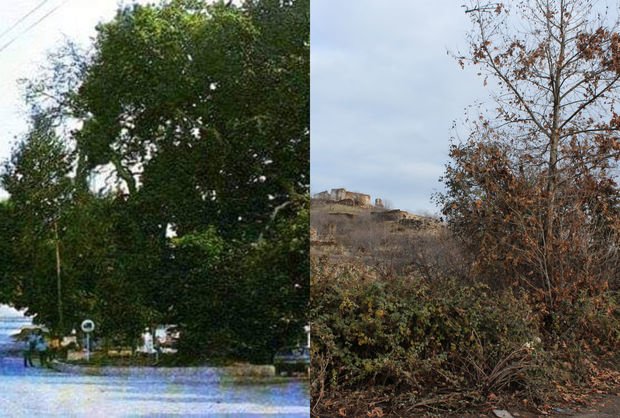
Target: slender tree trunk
{"points": [[58, 279], [555, 69], [550, 215]]}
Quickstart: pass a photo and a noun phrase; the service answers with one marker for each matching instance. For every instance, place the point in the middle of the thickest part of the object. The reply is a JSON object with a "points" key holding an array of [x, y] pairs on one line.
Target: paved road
{"points": [[28, 392]]}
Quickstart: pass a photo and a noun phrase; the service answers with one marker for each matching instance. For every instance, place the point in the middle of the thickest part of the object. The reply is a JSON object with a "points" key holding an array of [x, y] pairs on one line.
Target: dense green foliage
{"points": [[404, 343], [200, 115], [37, 177], [404, 333]]}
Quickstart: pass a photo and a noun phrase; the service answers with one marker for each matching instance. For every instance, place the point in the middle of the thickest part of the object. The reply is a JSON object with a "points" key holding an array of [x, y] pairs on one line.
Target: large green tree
{"points": [[213, 105], [37, 178], [201, 113]]}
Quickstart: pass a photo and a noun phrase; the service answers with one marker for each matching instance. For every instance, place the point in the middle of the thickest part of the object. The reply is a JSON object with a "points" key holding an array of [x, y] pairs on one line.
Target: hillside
{"points": [[350, 230]]}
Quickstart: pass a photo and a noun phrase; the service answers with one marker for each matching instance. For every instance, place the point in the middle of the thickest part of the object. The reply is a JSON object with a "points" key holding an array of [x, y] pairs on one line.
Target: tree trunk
{"points": [[58, 278], [550, 215], [554, 143], [124, 173]]}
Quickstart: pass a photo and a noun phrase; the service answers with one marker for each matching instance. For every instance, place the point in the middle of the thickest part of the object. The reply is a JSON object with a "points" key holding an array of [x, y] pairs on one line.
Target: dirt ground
{"points": [[602, 406], [606, 406]]}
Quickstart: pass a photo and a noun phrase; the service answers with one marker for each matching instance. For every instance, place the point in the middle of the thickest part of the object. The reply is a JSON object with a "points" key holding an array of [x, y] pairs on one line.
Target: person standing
{"points": [[30, 343], [41, 347], [147, 341]]}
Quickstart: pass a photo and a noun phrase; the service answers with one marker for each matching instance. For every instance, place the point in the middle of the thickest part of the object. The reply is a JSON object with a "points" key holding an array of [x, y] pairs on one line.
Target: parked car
{"points": [[289, 360], [167, 336]]}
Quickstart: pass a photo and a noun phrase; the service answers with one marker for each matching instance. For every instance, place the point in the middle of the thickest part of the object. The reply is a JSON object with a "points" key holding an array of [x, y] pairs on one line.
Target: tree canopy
{"points": [[199, 113], [533, 190]]}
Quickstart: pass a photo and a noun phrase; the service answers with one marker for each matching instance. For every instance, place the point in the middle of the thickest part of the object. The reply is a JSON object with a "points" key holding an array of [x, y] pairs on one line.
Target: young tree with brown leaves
{"points": [[533, 190]]}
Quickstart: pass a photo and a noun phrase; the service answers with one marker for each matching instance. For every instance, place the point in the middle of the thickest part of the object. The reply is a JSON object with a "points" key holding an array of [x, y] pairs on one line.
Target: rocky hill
{"points": [[345, 225]]}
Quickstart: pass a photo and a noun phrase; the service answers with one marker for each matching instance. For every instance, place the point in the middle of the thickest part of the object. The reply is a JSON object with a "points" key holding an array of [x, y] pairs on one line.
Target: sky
{"points": [[7, 311], [29, 43], [384, 96], [384, 92]]}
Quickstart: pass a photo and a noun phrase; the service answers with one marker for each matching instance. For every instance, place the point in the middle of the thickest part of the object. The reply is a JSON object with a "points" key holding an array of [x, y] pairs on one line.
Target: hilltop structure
{"points": [[378, 211], [344, 196], [343, 218]]}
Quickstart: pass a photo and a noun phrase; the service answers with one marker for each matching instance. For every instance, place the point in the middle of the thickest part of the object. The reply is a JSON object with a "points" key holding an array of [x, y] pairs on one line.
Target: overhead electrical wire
{"points": [[24, 17], [6, 45]]}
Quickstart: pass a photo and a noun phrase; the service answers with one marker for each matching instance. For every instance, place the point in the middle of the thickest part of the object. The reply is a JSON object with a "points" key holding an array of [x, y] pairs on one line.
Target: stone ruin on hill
{"points": [[345, 197], [378, 211]]}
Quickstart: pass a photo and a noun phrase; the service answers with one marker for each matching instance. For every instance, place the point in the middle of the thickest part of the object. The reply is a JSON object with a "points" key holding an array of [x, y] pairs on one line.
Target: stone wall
{"points": [[359, 198], [391, 215], [338, 194], [344, 196], [347, 202], [322, 195]]}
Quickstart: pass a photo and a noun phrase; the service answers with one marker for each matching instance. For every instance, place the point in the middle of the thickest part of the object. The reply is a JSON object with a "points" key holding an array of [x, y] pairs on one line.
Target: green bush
{"points": [[401, 332], [591, 321]]}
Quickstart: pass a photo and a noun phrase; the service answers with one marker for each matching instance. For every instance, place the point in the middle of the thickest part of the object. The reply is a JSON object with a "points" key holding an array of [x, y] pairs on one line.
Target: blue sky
{"points": [[384, 96]]}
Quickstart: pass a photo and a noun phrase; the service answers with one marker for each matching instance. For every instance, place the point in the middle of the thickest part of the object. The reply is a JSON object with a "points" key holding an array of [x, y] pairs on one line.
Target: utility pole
{"points": [[58, 278]]}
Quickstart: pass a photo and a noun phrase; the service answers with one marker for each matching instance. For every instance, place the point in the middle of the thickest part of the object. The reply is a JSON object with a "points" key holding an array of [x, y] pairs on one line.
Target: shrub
{"points": [[400, 332]]}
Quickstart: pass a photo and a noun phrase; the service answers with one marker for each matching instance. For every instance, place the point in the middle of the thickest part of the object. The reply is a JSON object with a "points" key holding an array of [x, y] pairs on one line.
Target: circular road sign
{"points": [[88, 325]]}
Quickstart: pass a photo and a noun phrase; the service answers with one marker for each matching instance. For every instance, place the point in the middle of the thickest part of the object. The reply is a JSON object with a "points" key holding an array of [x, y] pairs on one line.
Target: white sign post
{"points": [[88, 326], [307, 329]]}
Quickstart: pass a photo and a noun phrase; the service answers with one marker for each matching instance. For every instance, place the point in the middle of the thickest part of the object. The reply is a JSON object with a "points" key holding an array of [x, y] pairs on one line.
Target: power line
{"points": [[3, 47], [24, 17]]}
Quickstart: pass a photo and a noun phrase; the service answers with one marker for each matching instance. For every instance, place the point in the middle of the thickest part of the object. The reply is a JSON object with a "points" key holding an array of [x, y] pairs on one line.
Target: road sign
{"points": [[88, 325]]}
